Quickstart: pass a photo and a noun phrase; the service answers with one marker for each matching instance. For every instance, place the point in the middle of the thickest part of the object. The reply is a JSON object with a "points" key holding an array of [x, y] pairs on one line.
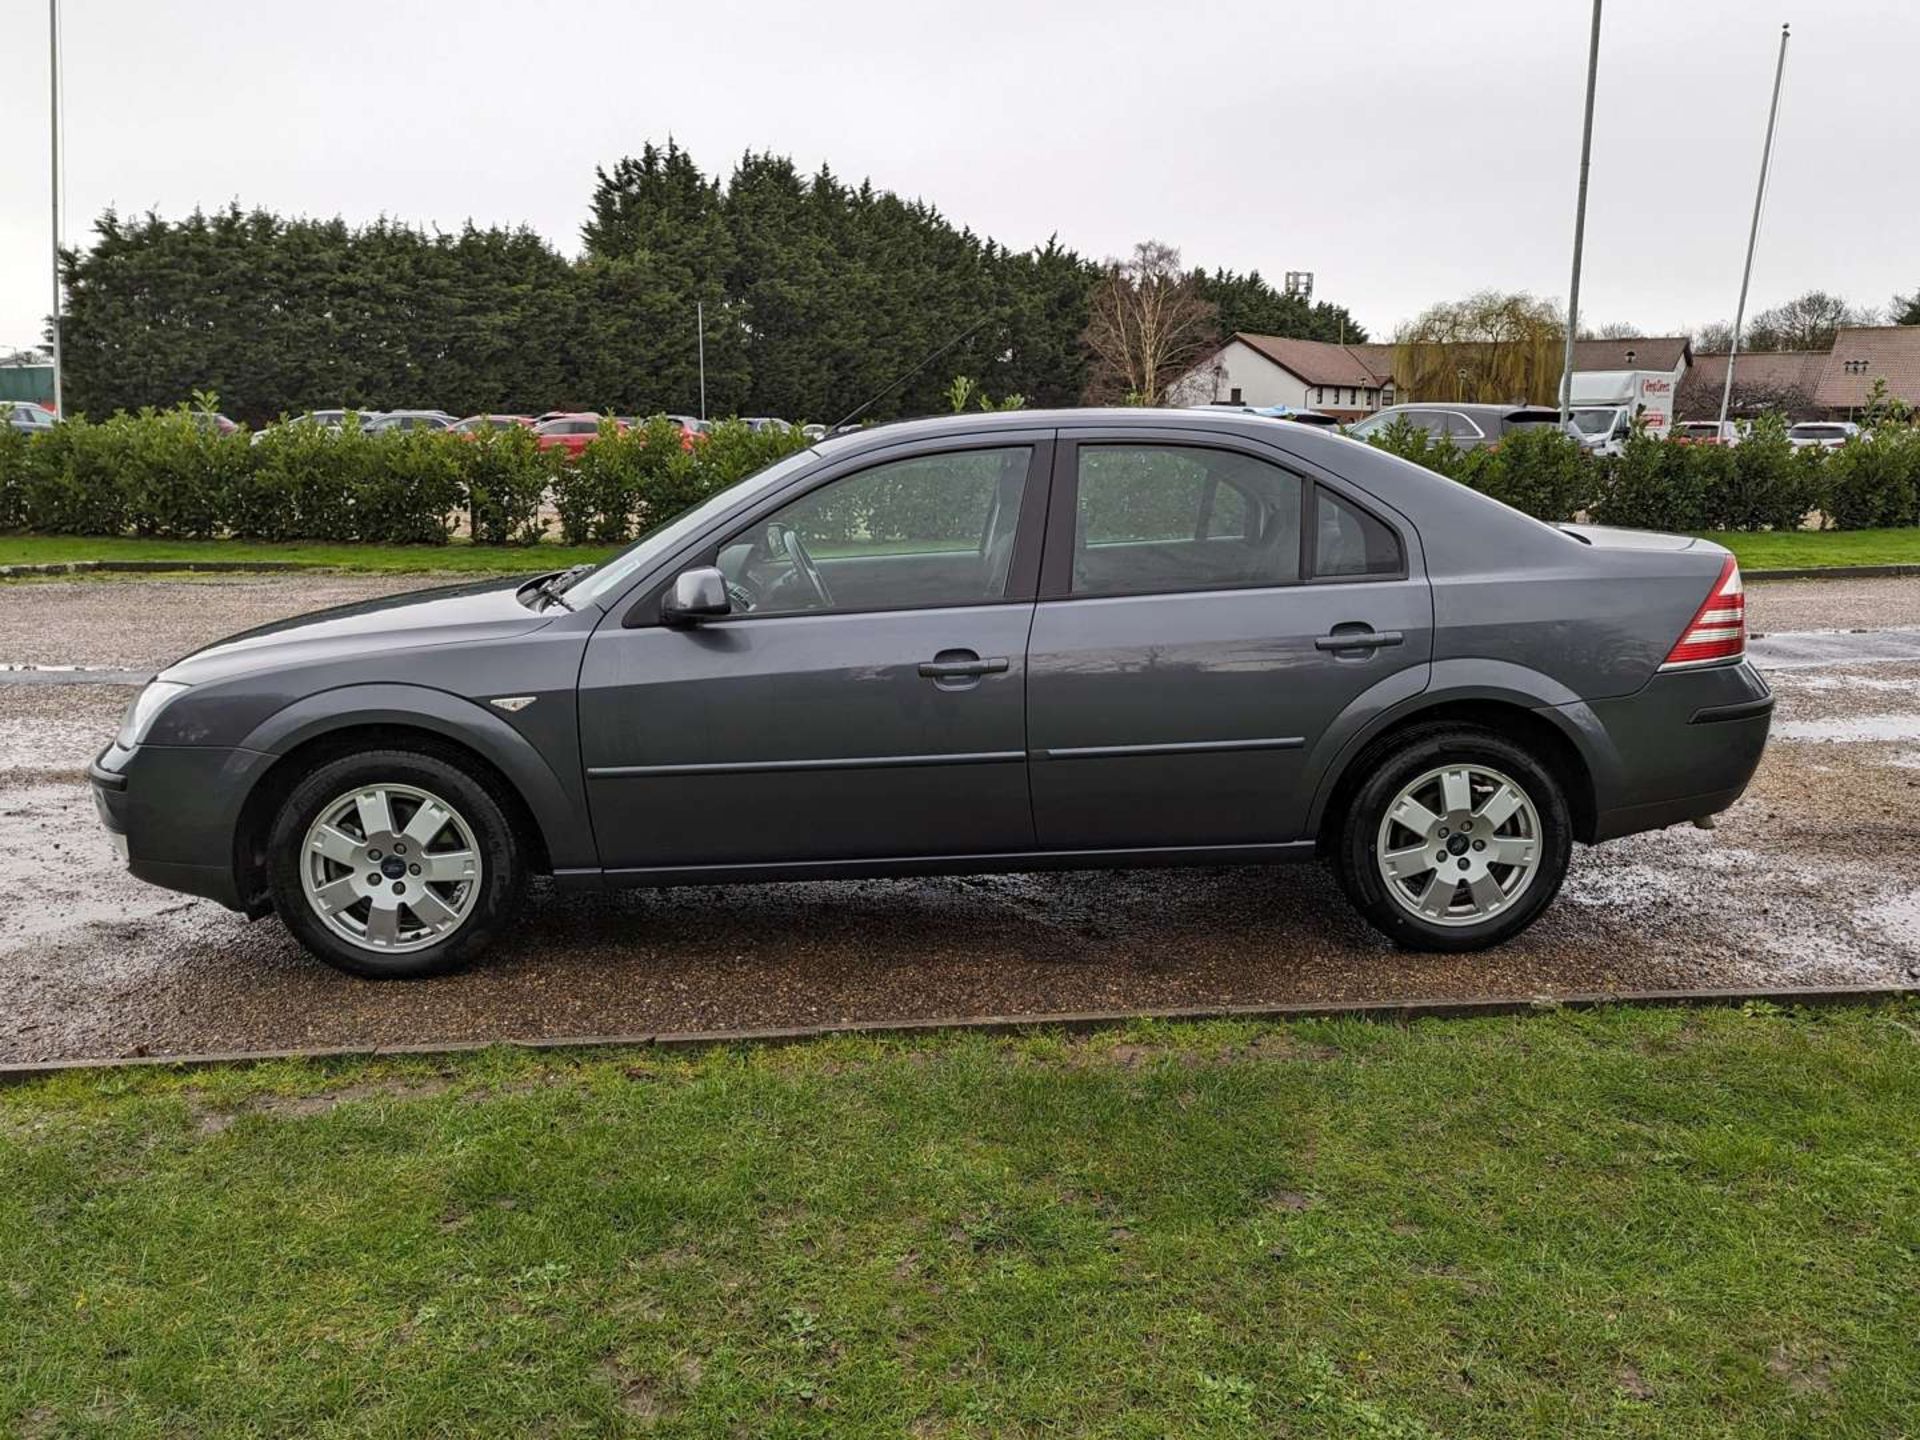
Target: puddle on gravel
{"points": [[1898, 919], [1852, 729]]}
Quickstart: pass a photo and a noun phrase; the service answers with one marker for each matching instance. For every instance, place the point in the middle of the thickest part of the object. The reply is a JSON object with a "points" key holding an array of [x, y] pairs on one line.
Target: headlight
{"points": [[146, 705]]}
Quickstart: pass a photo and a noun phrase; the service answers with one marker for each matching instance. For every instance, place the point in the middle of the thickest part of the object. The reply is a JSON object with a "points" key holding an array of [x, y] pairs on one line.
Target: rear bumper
{"points": [[172, 812], [1682, 748]]}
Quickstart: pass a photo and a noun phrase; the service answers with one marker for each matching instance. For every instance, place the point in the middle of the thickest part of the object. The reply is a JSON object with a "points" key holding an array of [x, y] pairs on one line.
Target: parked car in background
{"points": [[765, 422], [407, 420], [213, 421], [571, 433], [480, 424], [332, 421], [692, 424], [1469, 427], [26, 415], [992, 642], [1828, 434], [1600, 429], [1704, 432], [814, 432]]}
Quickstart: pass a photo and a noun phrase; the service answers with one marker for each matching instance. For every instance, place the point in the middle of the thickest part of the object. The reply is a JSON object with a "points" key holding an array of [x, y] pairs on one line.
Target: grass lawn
{"points": [[1800, 549], [458, 556], [1648, 1223]]}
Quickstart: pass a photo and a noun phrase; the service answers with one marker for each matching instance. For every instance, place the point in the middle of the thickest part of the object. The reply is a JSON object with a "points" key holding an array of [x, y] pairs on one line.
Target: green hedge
{"points": [[165, 476], [1761, 484]]}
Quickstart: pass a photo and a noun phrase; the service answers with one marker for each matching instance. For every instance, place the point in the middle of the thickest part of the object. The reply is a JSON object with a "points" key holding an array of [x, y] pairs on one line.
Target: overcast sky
{"points": [[1404, 151]]}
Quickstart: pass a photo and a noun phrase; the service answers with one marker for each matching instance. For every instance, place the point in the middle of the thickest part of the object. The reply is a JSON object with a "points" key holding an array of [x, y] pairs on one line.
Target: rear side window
{"points": [[1153, 518], [1349, 542]]}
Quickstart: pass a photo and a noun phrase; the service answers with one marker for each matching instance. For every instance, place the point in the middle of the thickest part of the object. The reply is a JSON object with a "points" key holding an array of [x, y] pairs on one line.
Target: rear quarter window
{"points": [[1349, 543]]}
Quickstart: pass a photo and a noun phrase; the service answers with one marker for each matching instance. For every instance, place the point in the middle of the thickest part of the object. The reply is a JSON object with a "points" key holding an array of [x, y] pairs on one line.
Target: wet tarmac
{"points": [[1812, 879]]}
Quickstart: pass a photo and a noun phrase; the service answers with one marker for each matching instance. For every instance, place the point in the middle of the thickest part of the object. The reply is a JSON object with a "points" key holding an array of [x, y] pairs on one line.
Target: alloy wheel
{"points": [[390, 868], [1459, 845]]}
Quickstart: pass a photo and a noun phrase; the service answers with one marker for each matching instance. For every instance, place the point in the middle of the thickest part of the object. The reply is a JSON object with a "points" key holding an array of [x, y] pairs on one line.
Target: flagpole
{"points": [[1753, 233]]}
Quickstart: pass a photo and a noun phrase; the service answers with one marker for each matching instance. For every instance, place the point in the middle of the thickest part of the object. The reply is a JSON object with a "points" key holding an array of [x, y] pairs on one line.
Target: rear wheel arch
{"points": [[1527, 726], [273, 787]]}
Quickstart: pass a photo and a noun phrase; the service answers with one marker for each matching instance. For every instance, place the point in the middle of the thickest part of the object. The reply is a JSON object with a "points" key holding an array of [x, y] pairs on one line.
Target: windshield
{"points": [[1593, 422], [615, 573], [1817, 432]]}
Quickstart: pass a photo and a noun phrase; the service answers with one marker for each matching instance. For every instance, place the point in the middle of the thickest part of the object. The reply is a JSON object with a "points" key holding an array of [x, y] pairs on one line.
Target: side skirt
{"points": [[1009, 862]]}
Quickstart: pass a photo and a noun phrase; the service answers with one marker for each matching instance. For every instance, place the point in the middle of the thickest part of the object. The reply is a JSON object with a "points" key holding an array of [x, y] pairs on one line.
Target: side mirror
{"points": [[696, 595]]}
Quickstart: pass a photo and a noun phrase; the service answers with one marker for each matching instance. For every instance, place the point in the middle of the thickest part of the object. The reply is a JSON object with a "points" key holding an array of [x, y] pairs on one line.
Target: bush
{"points": [[1873, 480], [624, 483], [164, 475], [1539, 471], [1535, 469], [1770, 487]]}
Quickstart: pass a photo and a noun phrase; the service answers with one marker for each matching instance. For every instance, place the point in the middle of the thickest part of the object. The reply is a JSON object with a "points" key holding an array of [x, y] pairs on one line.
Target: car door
{"points": [[867, 698], [1206, 614]]}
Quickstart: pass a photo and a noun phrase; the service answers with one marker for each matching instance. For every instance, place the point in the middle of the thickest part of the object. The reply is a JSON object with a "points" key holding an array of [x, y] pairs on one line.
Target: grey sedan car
{"points": [[980, 643]]}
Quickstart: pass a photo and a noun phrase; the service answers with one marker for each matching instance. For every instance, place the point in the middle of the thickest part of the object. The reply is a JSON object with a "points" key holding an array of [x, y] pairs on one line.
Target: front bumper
{"points": [[1682, 748], [173, 812]]}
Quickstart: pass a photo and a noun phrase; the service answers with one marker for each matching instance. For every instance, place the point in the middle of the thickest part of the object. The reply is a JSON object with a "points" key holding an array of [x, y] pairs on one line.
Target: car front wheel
{"points": [[393, 864], [1456, 840]]}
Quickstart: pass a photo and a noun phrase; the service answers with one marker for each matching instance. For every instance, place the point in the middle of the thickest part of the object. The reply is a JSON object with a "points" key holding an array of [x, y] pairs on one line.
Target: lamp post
{"points": [[1580, 219], [700, 326]]}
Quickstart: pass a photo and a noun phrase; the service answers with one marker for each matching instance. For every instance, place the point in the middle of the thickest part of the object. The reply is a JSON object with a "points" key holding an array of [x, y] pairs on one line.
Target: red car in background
{"points": [[571, 433]]}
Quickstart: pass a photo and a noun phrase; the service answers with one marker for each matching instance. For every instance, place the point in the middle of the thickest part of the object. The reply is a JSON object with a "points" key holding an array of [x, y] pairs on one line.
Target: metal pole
{"points": [[53, 90], [1753, 233], [700, 326], [1580, 220]]}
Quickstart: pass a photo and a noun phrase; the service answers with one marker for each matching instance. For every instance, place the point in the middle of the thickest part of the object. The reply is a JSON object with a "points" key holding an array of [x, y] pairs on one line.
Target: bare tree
{"points": [[1613, 330], [1806, 322], [1714, 338], [1146, 326]]}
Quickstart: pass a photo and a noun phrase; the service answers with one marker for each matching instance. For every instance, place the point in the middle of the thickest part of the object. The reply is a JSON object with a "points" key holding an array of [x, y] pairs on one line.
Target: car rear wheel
{"points": [[1457, 839], [393, 864]]}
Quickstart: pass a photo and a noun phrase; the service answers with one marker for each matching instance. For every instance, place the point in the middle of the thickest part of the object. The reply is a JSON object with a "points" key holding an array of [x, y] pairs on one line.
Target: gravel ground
{"points": [[1811, 879], [1779, 605]]}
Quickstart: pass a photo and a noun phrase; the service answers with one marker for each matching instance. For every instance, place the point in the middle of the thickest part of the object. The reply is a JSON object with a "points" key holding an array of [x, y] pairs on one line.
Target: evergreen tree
{"points": [[816, 295]]}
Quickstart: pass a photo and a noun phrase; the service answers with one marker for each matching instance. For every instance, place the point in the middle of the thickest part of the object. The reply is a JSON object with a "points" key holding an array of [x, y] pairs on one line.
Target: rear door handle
{"points": [[1358, 640], [961, 669]]}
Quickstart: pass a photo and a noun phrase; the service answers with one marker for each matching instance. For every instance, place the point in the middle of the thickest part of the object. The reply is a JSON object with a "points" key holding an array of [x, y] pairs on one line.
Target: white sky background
{"points": [[1406, 151]]}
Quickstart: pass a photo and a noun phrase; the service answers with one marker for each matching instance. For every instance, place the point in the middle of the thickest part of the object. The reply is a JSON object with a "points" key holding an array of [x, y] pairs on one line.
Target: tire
{"points": [[323, 875], [1537, 833]]}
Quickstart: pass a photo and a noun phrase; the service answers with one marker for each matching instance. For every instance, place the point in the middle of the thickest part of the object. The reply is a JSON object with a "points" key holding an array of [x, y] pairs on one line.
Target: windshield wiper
{"points": [[554, 587]]}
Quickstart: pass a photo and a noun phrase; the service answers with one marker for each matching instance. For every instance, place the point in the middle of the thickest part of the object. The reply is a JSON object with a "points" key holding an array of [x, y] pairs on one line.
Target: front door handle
{"points": [[1358, 638], [960, 665]]}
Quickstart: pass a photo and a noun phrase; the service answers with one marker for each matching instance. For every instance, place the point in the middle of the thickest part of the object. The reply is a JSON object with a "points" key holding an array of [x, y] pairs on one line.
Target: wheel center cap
{"points": [[393, 867], [1457, 844]]}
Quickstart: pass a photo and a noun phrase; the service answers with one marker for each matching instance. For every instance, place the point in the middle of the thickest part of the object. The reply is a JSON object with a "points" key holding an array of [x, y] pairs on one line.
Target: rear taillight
{"points": [[1718, 631]]}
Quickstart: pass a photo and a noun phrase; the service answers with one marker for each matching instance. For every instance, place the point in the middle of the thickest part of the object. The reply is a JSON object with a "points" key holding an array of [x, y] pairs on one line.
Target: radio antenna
{"points": [[857, 412]]}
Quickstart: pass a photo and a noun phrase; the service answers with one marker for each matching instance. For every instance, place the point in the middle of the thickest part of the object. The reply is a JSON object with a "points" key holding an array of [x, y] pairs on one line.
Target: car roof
{"points": [[1304, 438]]}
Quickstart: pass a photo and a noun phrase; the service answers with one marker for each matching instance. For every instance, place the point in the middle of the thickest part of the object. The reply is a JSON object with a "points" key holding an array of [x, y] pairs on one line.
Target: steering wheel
{"points": [[795, 549]]}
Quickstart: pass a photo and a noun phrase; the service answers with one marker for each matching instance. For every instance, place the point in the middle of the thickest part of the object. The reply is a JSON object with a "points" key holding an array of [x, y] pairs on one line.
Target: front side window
{"points": [[933, 530], [1172, 517]]}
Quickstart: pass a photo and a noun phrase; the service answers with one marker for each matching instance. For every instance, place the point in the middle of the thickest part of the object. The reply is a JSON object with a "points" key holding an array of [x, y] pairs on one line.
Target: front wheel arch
{"points": [[270, 792]]}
